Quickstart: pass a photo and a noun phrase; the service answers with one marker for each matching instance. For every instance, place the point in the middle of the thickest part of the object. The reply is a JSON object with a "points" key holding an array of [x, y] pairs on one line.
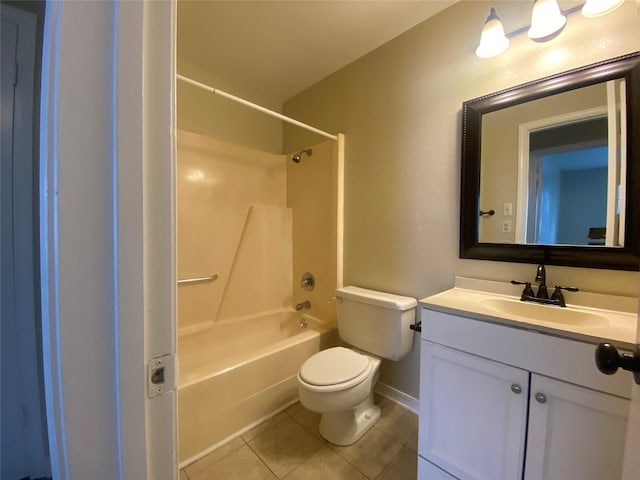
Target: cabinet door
{"points": [[428, 471], [472, 414], [574, 432]]}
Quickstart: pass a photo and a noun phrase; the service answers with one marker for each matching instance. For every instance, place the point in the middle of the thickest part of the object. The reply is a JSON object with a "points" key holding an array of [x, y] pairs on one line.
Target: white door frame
{"points": [[108, 236], [524, 130]]}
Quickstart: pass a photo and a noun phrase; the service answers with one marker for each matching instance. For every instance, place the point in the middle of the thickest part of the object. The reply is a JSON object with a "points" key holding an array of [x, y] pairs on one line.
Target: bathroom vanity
{"points": [[510, 389]]}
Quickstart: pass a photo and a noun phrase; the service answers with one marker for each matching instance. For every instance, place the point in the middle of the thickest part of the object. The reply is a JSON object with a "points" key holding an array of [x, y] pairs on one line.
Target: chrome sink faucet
{"points": [[542, 296]]}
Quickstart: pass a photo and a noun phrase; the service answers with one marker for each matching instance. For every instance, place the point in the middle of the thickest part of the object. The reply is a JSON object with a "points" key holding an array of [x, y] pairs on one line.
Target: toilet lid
{"points": [[333, 366]]}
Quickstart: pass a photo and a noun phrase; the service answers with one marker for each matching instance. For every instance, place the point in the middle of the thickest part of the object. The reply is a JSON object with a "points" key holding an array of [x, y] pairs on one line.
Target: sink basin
{"points": [[546, 313]]}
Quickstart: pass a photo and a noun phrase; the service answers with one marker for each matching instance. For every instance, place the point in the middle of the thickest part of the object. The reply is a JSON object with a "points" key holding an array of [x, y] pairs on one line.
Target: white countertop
{"points": [[614, 317]]}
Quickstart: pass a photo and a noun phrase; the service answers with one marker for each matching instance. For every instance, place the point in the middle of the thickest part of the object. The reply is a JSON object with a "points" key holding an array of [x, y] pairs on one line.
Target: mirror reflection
{"points": [[553, 170]]}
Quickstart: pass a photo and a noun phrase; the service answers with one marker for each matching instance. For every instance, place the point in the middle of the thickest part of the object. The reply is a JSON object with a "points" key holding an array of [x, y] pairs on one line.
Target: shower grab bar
{"points": [[210, 278]]}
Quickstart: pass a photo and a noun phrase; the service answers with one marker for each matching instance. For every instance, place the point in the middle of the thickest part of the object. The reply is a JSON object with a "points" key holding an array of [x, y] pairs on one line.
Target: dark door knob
{"points": [[609, 360]]}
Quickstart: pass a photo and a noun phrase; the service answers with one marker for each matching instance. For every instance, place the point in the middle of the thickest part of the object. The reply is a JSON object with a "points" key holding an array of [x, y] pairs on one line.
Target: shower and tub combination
{"points": [[259, 258]]}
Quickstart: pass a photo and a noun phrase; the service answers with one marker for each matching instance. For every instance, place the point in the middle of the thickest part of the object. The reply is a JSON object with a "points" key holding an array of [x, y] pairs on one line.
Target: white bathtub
{"points": [[234, 374]]}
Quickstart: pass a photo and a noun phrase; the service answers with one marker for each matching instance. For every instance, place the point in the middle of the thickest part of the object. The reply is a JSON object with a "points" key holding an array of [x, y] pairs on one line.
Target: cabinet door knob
{"points": [[541, 398], [515, 388]]}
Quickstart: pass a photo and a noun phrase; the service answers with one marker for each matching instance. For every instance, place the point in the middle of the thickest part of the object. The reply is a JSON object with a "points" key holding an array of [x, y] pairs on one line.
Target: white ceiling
{"points": [[276, 49]]}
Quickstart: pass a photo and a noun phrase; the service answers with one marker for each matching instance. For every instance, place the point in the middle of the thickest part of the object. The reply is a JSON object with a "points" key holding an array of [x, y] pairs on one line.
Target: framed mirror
{"points": [[551, 170]]}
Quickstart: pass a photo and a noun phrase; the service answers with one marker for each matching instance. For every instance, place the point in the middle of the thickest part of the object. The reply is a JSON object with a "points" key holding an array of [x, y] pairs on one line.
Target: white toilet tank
{"points": [[376, 322]]}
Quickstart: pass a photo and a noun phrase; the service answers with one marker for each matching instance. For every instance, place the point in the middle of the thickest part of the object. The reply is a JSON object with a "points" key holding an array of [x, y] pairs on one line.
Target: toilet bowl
{"points": [[338, 383]]}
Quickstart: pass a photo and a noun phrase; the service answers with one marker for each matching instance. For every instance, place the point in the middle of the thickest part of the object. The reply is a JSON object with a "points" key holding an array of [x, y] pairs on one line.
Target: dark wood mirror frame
{"points": [[618, 258]]}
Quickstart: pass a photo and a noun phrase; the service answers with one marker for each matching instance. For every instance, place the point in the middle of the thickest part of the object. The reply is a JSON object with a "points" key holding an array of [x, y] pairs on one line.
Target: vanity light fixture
{"points": [[596, 8], [547, 21], [493, 41]]}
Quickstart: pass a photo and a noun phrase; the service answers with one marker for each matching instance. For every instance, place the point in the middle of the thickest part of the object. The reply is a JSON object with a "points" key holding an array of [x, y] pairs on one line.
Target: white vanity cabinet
{"points": [[498, 402], [574, 432], [473, 414]]}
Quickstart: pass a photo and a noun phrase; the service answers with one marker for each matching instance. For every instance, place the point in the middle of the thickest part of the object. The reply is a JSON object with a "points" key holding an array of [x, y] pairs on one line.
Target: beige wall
{"points": [[500, 142], [399, 107], [201, 112]]}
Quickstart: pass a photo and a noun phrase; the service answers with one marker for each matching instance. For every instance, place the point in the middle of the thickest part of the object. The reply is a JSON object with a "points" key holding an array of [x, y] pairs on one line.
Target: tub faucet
{"points": [[303, 305]]}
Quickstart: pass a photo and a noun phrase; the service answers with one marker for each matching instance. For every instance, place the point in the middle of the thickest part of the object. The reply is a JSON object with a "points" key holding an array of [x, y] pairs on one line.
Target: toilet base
{"points": [[348, 426]]}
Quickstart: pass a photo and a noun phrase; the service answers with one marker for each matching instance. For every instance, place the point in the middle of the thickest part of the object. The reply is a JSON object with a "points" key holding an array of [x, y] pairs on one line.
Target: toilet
{"points": [[338, 382]]}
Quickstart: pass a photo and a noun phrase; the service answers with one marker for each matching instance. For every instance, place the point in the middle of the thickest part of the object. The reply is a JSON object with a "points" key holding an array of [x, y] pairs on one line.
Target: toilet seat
{"points": [[336, 368]]}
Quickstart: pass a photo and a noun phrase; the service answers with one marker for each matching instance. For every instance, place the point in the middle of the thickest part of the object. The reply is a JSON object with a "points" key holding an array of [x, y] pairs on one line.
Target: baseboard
{"points": [[234, 435], [395, 395], [407, 401]]}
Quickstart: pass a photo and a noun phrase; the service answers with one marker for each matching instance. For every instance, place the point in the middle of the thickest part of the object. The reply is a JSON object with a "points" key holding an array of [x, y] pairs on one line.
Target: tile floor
{"points": [[288, 446]]}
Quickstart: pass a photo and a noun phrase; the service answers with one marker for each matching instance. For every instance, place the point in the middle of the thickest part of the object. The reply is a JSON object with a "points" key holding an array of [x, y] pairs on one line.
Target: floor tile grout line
{"points": [[304, 460], [330, 446], [264, 431], [386, 464], [272, 427], [347, 460], [414, 454], [314, 433], [404, 442], [307, 458], [288, 473], [219, 459], [262, 461]]}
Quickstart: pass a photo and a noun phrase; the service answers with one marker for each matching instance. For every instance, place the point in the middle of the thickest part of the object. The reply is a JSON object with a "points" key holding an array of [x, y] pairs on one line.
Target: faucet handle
{"points": [[527, 292], [558, 290], [557, 294]]}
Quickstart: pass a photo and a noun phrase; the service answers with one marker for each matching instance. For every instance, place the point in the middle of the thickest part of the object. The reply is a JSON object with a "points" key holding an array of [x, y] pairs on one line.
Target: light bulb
{"points": [[493, 40], [546, 20], [595, 8]]}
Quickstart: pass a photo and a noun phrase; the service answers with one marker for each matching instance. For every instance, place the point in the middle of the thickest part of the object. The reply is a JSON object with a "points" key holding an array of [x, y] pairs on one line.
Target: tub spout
{"points": [[303, 305]]}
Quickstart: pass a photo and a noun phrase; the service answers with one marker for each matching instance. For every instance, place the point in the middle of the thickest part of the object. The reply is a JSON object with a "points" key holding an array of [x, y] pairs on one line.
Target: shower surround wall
{"points": [[314, 191], [232, 221], [258, 221]]}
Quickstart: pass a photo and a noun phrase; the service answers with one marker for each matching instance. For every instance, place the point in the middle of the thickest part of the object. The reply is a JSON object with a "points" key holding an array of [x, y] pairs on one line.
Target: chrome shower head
{"points": [[296, 157]]}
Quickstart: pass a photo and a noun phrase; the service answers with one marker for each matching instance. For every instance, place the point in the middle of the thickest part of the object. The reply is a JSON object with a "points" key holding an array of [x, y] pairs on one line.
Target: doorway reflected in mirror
{"points": [[568, 184]]}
